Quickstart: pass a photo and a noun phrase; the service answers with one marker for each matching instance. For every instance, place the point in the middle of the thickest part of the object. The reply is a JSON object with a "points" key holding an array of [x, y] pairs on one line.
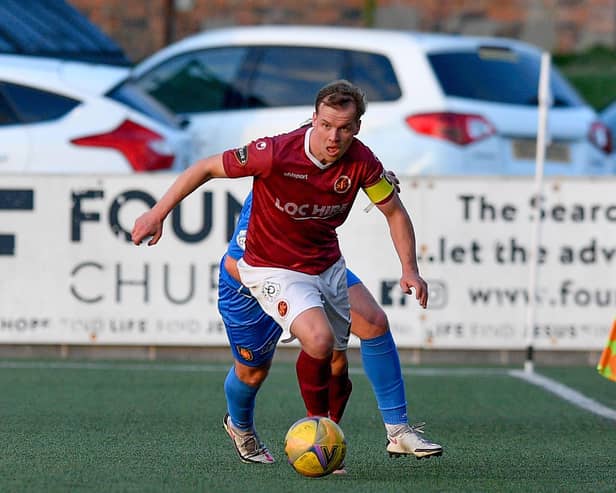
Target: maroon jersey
{"points": [[297, 202]]}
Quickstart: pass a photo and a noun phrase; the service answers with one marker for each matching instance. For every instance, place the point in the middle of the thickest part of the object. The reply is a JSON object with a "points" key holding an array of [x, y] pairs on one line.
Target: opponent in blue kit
{"points": [[253, 336]]}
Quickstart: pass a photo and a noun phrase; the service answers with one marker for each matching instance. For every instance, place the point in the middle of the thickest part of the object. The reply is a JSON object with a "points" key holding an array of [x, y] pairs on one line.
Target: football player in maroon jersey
{"points": [[305, 183]]}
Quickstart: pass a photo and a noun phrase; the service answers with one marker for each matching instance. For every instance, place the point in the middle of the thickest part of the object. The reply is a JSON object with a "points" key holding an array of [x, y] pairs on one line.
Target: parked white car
{"points": [[437, 104], [71, 117], [608, 116]]}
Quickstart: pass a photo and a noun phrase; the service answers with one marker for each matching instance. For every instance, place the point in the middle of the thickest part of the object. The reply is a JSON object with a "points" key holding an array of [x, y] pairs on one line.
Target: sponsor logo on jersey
{"points": [[261, 145], [301, 212], [245, 353], [241, 154], [283, 308], [343, 184], [270, 291], [297, 176]]}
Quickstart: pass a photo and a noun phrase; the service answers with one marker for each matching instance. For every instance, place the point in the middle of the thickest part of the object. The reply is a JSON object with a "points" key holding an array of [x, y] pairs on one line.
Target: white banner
{"points": [[69, 275]]}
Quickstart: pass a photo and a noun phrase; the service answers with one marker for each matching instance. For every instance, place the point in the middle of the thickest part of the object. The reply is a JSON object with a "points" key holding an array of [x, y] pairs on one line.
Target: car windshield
{"points": [[499, 75], [134, 97]]}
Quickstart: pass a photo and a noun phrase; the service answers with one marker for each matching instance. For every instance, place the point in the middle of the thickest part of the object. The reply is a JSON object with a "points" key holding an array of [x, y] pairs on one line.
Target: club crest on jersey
{"points": [[261, 145], [245, 353], [283, 308], [270, 291], [241, 154], [241, 239], [342, 185]]}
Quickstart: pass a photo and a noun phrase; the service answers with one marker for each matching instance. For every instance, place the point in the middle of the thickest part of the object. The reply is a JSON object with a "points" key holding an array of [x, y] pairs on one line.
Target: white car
{"points": [[72, 117], [437, 104], [608, 116]]}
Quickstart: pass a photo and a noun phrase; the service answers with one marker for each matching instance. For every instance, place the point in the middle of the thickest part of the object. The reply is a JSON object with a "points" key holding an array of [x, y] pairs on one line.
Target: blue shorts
{"points": [[253, 335]]}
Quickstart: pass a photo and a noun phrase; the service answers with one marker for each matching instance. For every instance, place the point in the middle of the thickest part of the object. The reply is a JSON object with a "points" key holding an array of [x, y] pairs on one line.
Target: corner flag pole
{"points": [[607, 362], [542, 140]]}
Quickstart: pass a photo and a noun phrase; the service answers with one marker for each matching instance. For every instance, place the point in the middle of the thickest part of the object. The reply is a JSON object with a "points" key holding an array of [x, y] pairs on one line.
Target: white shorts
{"points": [[284, 294]]}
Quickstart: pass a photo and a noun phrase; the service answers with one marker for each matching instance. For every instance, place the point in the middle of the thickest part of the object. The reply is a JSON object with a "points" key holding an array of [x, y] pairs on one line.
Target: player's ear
{"points": [[314, 118], [357, 127]]}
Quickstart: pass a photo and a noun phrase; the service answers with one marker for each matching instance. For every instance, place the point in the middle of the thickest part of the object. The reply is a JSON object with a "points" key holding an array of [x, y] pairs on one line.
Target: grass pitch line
{"points": [[224, 367], [450, 372], [104, 366], [566, 393]]}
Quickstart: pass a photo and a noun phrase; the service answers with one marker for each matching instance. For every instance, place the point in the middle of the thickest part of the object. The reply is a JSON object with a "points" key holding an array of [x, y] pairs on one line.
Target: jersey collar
{"points": [[309, 155]]}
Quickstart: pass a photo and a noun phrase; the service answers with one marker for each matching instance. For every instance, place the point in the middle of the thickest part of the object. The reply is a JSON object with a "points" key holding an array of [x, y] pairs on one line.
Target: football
{"points": [[315, 446]]}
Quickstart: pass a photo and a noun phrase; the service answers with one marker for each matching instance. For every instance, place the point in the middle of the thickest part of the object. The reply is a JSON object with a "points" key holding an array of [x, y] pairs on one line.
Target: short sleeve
{"points": [[254, 159]]}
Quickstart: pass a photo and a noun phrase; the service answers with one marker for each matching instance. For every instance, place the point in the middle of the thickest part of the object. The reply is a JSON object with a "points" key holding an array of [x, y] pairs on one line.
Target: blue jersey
{"points": [[238, 241]]}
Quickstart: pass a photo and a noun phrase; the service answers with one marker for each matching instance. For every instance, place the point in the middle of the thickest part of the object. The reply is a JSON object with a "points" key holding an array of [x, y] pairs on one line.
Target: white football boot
{"points": [[247, 444], [406, 440]]}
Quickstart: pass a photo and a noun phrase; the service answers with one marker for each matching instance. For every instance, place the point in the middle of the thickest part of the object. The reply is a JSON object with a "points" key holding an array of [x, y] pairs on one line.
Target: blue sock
{"points": [[241, 399], [382, 366]]}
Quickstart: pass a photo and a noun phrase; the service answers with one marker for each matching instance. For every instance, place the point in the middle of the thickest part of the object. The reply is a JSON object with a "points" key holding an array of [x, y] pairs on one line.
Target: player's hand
{"points": [[414, 281], [148, 225], [393, 179]]}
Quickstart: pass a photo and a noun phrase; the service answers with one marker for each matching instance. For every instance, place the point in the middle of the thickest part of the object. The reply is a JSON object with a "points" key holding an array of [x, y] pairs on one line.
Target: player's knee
{"points": [[319, 344], [377, 325], [380, 322], [253, 376]]}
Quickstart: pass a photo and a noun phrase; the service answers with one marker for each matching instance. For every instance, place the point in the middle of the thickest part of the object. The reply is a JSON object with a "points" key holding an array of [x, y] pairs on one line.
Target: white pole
{"points": [[542, 141]]}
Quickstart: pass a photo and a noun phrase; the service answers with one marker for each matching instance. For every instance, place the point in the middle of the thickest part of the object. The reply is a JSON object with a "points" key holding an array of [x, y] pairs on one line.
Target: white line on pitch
{"points": [[85, 365], [566, 393], [82, 365], [453, 372], [110, 365]]}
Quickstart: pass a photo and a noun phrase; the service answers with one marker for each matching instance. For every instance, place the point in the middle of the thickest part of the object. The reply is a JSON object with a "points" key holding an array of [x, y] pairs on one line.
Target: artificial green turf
{"points": [[587, 381], [158, 428]]}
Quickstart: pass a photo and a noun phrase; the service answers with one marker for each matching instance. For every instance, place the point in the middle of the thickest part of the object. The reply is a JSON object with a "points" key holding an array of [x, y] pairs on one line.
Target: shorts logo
{"points": [[283, 308], [245, 353], [261, 145], [269, 346], [342, 185], [241, 154], [270, 291]]}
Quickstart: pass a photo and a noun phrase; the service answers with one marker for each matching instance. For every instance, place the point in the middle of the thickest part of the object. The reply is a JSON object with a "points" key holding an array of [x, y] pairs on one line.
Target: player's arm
{"points": [[403, 237], [150, 223]]}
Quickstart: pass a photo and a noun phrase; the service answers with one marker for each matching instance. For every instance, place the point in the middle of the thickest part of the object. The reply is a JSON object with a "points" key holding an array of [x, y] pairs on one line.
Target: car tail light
{"points": [[144, 149], [458, 128], [600, 136]]}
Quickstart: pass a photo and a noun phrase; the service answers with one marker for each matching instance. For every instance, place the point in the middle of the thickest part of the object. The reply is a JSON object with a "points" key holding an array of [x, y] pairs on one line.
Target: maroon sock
{"points": [[340, 387], [313, 377]]}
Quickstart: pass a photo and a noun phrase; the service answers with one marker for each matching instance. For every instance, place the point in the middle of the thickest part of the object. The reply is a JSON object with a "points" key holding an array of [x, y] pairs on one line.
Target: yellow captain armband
{"points": [[380, 190]]}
